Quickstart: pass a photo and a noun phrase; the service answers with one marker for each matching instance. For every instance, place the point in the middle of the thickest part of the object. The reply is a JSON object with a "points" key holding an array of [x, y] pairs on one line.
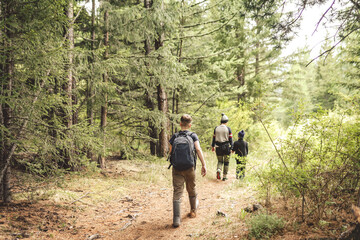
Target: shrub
{"points": [[264, 226]]}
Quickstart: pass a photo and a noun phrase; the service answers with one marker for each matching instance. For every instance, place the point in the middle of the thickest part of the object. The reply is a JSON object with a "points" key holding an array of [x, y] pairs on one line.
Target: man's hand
{"points": [[203, 171], [213, 149]]}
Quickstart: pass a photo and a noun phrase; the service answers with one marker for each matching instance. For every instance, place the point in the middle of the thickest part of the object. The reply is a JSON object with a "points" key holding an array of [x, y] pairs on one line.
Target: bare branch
{"points": [[298, 17], [210, 7], [327, 52], [322, 17], [205, 102], [198, 3]]}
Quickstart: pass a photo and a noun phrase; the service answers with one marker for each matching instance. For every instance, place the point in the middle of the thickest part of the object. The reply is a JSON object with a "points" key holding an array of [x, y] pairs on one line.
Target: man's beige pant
{"points": [[181, 177]]}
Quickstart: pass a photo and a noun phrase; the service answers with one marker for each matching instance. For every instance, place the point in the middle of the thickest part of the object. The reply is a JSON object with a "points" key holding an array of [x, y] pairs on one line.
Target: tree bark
{"points": [[162, 104], [257, 57], [72, 79], [68, 86], [153, 132], [176, 92], [240, 76], [104, 107], [163, 107], [6, 112], [89, 82]]}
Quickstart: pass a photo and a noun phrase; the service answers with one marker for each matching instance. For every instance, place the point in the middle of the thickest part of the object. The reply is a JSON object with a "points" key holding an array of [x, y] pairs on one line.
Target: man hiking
{"points": [[184, 146], [222, 144], [241, 150]]}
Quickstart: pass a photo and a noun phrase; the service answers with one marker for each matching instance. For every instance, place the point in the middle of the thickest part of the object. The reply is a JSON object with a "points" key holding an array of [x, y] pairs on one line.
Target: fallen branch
{"points": [[126, 225], [81, 197], [95, 236]]}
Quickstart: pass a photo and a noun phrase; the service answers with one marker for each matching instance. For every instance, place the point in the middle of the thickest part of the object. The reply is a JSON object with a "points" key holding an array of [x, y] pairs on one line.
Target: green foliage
{"points": [[317, 159], [263, 226]]}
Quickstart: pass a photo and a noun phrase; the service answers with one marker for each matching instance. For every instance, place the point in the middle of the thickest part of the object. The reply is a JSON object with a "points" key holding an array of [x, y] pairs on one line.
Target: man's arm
{"points": [[201, 157]]}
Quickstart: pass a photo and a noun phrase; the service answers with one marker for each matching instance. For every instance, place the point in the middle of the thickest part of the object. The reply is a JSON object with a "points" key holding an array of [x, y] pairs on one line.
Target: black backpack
{"points": [[183, 155]]}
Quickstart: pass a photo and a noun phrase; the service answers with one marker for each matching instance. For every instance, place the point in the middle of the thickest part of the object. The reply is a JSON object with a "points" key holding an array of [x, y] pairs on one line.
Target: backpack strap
{"points": [[189, 133]]}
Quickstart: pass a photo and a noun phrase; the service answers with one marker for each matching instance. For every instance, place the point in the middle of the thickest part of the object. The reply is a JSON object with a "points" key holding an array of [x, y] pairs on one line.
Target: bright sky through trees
{"points": [[311, 35]]}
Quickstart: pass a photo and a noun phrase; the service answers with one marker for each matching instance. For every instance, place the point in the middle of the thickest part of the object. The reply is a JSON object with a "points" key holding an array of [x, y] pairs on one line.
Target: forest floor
{"points": [[133, 200]]}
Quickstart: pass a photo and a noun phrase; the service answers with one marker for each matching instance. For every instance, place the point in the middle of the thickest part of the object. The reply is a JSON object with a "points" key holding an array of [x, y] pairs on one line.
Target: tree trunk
{"points": [[257, 59], [173, 111], [70, 38], [176, 92], [6, 112], [162, 103], [153, 132], [72, 79], [66, 112], [163, 107], [240, 76], [89, 82], [104, 107]]}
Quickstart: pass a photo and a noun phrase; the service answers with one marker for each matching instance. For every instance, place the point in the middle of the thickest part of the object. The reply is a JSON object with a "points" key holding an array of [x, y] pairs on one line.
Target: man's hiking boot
{"points": [[176, 213], [224, 178], [218, 172], [194, 203], [192, 214]]}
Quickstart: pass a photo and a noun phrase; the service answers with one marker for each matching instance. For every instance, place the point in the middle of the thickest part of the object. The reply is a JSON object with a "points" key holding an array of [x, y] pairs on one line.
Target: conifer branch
{"points": [[357, 5], [199, 24], [198, 12], [205, 34], [23, 126], [207, 56]]}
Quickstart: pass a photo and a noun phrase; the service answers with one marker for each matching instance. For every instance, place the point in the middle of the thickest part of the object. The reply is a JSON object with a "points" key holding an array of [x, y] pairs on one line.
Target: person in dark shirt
{"points": [[241, 151], [186, 177]]}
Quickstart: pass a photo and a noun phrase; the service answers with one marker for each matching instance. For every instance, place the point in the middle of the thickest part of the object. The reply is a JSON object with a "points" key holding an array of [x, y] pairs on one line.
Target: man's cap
{"points": [[224, 118]]}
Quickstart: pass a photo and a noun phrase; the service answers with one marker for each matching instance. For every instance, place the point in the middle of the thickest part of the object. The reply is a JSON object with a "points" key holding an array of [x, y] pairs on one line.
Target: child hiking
{"points": [[241, 151], [184, 146]]}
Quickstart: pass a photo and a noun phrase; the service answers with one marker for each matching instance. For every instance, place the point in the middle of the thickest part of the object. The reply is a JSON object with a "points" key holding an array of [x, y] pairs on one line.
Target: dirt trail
{"points": [[143, 212], [146, 213], [155, 218]]}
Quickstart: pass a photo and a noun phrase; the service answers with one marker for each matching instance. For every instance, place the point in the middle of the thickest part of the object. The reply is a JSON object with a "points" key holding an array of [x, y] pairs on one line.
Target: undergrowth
{"points": [[263, 226]]}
